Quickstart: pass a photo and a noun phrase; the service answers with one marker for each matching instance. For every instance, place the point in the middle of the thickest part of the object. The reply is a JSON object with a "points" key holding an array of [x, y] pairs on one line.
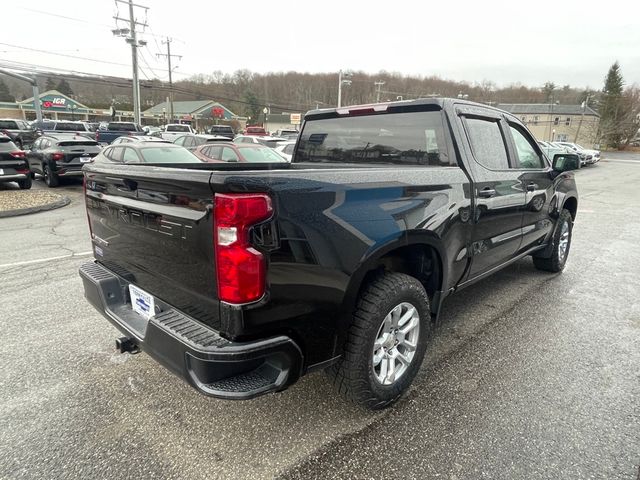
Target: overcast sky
{"points": [[566, 42]]}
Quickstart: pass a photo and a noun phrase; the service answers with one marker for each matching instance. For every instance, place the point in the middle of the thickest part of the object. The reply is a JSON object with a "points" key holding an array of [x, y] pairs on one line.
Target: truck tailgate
{"points": [[154, 227]]}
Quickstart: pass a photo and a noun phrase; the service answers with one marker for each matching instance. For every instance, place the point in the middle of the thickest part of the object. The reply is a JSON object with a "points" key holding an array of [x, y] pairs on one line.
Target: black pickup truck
{"points": [[241, 278]]}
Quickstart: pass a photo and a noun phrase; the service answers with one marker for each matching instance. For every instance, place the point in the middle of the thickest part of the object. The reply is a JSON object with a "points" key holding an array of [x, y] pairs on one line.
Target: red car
{"points": [[257, 131], [243, 153]]}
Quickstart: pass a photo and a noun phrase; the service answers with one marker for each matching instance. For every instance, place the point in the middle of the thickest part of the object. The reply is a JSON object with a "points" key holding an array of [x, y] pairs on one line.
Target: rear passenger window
{"points": [[229, 155], [130, 156], [528, 157], [487, 143]]}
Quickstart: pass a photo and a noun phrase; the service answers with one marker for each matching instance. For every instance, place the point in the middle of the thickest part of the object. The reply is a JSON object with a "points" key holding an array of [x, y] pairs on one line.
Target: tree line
{"points": [[247, 93]]}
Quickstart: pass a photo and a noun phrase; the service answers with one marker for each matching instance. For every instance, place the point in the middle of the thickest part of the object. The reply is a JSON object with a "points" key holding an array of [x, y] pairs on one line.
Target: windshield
{"points": [[260, 155], [178, 128], [122, 127], [167, 154], [8, 124], [70, 127], [415, 138]]}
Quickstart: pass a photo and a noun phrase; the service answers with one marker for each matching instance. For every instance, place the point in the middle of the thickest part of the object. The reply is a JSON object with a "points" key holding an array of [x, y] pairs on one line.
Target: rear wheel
{"points": [[50, 178], [25, 184], [386, 342], [560, 245]]}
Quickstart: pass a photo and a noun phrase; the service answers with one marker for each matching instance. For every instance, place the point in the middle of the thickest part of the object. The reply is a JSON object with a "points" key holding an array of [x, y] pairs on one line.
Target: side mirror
{"points": [[563, 162]]}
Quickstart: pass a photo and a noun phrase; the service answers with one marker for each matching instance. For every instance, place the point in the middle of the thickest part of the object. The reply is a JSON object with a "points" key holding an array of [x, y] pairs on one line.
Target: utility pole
{"points": [[378, 84], [131, 37], [585, 104], [168, 55]]}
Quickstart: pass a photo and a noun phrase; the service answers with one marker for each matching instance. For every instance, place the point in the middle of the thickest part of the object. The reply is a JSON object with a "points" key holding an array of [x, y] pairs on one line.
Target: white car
{"points": [[286, 149], [590, 156], [175, 130], [271, 142]]}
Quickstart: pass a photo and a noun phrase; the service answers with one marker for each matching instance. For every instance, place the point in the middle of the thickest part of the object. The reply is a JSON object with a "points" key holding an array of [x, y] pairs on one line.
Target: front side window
{"points": [[408, 138], [180, 141], [528, 157], [487, 144], [214, 152]]}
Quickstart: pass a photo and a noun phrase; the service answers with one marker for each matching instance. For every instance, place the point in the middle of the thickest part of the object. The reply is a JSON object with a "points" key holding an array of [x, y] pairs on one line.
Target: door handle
{"points": [[486, 192], [531, 187]]}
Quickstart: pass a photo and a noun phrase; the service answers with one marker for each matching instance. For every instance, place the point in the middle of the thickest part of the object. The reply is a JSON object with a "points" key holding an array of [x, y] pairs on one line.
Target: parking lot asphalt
{"points": [[532, 375]]}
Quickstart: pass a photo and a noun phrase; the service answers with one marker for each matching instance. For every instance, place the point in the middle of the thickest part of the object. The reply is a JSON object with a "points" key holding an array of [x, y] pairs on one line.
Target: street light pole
{"points": [[379, 85], [340, 82]]}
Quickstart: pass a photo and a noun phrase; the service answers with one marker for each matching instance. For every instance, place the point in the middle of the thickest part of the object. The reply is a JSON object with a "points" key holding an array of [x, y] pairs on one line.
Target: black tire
{"points": [[354, 375], [32, 175], [25, 184], [50, 178], [556, 260]]}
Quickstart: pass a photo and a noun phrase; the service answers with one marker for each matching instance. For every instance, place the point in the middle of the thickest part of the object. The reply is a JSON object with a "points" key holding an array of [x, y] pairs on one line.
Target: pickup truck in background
{"points": [[240, 278], [175, 130], [20, 132], [118, 129], [55, 126]]}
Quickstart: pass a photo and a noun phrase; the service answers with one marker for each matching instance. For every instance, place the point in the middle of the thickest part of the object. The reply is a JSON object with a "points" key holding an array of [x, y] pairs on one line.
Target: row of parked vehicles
{"points": [[59, 149], [62, 148], [587, 156]]}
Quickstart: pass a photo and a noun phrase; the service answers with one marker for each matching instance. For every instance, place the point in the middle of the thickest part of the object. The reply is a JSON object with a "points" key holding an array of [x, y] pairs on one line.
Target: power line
{"points": [[49, 52]]}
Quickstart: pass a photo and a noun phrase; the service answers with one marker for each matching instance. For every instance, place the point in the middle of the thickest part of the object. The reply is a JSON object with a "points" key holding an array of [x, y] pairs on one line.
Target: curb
{"points": [[63, 202]]}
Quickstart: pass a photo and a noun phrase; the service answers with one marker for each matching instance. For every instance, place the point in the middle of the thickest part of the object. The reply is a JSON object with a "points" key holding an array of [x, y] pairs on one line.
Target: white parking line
{"points": [[43, 260]]}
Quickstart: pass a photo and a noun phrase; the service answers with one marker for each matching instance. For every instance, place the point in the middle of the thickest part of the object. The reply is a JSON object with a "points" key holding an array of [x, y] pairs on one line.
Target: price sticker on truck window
{"points": [[142, 302]]}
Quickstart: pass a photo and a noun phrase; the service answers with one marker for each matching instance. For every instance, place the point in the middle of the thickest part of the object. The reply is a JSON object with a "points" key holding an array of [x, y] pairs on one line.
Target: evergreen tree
{"points": [[610, 110], [50, 84], [64, 87], [252, 107], [5, 94]]}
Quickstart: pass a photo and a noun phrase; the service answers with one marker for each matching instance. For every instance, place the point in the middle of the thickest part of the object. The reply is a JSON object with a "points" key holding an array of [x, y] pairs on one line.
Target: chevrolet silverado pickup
{"points": [[241, 278]]}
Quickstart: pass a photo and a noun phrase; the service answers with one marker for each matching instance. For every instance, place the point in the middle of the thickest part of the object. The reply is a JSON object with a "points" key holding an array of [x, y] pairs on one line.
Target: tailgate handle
{"points": [[486, 192]]}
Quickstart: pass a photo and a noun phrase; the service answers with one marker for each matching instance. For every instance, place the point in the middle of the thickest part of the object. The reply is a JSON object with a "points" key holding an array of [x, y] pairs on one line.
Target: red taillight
{"points": [[241, 270], [18, 154], [57, 156], [23, 171]]}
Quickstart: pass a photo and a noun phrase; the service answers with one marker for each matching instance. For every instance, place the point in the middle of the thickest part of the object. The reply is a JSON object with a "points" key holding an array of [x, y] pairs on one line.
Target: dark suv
{"points": [[61, 155], [222, 130], [13, 166]]}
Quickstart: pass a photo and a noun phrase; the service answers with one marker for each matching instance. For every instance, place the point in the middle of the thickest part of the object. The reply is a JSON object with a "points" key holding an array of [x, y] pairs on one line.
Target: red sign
{"points": [[217, 112]]}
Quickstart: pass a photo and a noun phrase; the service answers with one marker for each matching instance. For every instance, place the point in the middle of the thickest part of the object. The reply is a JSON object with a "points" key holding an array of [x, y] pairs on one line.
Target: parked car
{"points": [[55, 126], [118, 129], [289, 134], [286, 149], [190, 142], [550, 150], [590, 156], [58, 155], [267, 141], [13, 165], [138, 138], [230, 152], [340, 260], [222, 130], [20, 132], [258, 131], [146, 152], [175, 130]]}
